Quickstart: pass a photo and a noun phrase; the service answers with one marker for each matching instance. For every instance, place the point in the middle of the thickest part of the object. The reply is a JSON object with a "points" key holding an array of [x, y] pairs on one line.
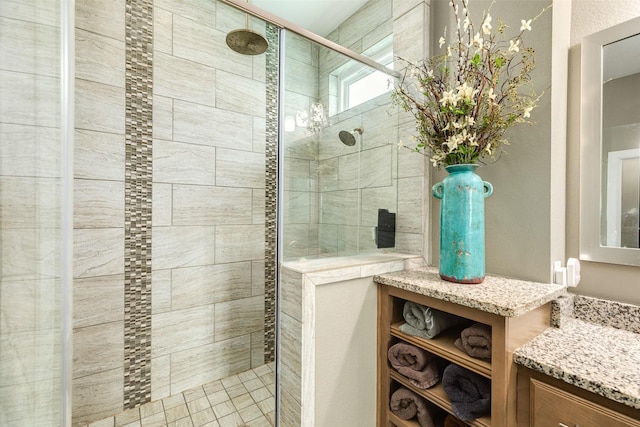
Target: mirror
{"points": [[610, 145]]}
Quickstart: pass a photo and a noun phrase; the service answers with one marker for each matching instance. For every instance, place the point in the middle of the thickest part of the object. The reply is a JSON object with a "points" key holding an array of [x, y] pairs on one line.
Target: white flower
{"points": [[471, 121], [453, 141], [491, 95], [527, 112], [466, 92], [430, 74], [513, 47], [477, 40], [400, 145], [449, 51], [448, 97], [441, 41], [486, 25], [467, 22], [526, 25]]}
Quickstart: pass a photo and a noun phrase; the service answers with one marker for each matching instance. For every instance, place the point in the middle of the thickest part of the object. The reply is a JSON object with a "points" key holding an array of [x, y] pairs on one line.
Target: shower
{"points": [[246, 41], [349, 138]]}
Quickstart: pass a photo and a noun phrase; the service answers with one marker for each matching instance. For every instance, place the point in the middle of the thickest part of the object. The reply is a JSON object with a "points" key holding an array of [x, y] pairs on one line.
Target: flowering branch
{"points": [[465, 99]]}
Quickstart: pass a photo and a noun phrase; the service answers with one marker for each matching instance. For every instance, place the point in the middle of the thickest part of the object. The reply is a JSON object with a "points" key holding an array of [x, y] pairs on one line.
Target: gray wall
{"points": [[526, 210], [600, 280]]}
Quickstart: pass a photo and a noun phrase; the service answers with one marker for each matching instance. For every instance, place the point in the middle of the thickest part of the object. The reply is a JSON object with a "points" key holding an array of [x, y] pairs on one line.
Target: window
{"points": [[354, 83]]}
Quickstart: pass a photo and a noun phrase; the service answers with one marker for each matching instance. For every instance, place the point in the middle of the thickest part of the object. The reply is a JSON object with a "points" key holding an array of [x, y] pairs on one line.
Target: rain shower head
{"points": [[349, 138], [247, 42]]}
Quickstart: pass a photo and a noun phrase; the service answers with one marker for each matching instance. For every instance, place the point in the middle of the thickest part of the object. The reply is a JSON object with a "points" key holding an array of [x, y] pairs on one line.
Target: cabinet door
{"points": [[552, 407]]}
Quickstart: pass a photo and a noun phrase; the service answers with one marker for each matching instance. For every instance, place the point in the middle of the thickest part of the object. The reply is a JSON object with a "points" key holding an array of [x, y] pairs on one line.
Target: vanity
{"points": [[557, 360]]}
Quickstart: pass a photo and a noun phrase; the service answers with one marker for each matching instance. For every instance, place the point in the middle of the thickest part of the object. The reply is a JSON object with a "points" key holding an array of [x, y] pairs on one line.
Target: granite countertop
{"points": [[498, 295], [590, 353]]}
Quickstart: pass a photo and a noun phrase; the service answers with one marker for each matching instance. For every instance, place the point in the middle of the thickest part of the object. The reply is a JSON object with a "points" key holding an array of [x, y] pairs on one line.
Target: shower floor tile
{"points": [[242, 400]]}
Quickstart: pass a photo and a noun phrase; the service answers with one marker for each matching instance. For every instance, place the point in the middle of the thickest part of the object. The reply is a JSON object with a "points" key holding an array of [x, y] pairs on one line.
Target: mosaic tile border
{"points": [[271, 203], [138, 176]]}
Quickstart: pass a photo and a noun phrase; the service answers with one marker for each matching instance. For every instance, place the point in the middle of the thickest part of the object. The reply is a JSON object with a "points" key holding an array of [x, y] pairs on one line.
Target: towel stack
{"points": [[414, 363], [426, 322], [406, 404], [470, 393], [475, 341]]}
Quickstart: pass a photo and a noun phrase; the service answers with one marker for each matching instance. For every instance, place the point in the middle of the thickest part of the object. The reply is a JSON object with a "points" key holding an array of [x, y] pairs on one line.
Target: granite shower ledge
{"points": [[600, 359], [498, 295]]}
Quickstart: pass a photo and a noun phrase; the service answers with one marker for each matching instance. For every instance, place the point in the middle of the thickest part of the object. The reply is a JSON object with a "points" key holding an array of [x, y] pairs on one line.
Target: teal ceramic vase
{"points": [[462, 254]]}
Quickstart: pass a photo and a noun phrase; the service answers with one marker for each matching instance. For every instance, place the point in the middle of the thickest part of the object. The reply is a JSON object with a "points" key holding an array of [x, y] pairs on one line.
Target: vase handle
{"points": [[488, 189], [438, 190]]}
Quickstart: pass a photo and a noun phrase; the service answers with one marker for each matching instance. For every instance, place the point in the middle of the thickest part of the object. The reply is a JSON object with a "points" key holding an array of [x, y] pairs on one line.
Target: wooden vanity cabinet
{"points": [[508, 333], [544, 401]]}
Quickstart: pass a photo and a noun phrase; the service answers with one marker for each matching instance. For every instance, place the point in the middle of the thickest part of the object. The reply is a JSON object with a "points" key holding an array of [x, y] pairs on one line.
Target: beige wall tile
{"points": [[100, 59], [99, 155], [28, 356], [179, 163], [30, 253], [257, 278], [179, 330], [162, 117], [183, 246], [206, 45], [340, 207], [98, 204], [97, 396], [105, 17], [239, 94], [25, 201], [162, 202], [196, 286], [200, 124], [32, 305], [29, 151], [98, 252], [239, 243], [205, 205], [376, 167], [179, 78], [160, 377], [240, 169], [296, 207], [97, 348], [98, 300], [161, 291], [162, 29], [201, 12], [28, 47], [239, 317], [210, 362], [42, 12], [29, 99], [99, 107]]}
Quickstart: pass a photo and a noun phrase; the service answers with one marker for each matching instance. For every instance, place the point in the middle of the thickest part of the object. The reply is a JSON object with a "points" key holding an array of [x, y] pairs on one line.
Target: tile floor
{"points": [[242, 400]]}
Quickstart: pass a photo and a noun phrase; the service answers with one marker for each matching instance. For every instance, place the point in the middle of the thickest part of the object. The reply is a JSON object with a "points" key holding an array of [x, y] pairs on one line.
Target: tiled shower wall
{"points": [[333, 192], [30, 206], [207, 204]]}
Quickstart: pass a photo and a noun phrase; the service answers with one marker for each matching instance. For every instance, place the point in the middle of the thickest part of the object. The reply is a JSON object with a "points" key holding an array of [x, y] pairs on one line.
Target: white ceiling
{"points": [[318, 16]]}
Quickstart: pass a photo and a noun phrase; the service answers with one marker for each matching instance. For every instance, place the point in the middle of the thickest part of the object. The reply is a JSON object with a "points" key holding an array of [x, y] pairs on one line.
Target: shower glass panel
{"points": [[32, 150], [340, 159]]}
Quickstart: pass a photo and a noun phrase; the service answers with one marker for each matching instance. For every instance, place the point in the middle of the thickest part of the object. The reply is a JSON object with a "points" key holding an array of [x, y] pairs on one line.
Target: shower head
{"points": [[247, 42], [349, 138]]}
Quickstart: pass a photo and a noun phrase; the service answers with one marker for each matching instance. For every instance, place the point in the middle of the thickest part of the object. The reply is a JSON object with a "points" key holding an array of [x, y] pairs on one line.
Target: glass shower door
{"points": [[32, 152]]}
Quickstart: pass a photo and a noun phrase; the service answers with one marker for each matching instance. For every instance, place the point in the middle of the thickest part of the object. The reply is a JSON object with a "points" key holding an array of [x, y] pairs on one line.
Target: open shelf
{"points": [[443, 346], [438, 396]]}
